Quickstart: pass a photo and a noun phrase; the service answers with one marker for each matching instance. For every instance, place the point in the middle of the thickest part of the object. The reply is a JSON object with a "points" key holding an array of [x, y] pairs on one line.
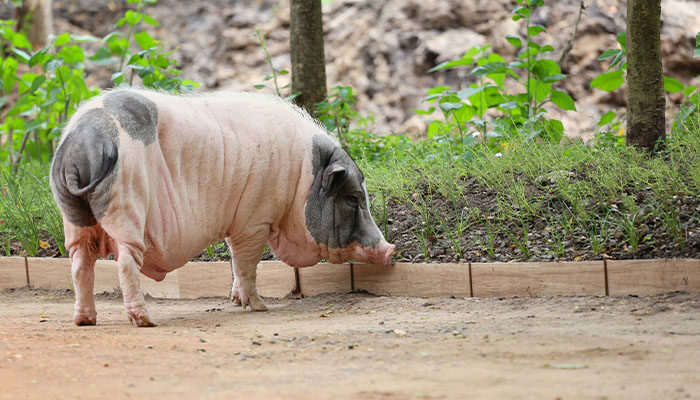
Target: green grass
{"points": [[28, 212], [567, 192]]}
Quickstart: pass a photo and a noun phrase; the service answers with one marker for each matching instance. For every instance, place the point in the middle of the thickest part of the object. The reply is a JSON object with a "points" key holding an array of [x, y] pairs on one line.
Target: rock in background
{"points": [[384, 48]]}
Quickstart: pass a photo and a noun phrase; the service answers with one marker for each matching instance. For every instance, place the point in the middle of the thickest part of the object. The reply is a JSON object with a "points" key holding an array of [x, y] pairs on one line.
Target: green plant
{"points": [[40, 90], [455, 234], [557, 243], [689, 113], [600, 231], [220, 248], [45, 86], [337, 112], [465, 111], [521, 239], [490, 239], [27, 209], [137, 53], [276, 73], [614, 78]]}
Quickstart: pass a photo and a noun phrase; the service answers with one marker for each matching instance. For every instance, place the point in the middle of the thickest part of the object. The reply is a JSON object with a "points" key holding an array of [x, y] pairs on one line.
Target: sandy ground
{"points": [[355, 346]]}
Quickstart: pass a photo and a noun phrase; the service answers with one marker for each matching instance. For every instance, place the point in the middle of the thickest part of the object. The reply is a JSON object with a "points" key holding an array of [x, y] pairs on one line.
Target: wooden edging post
{"points": [[471, 282], [26, 271], [605, 275], [275, 279]]}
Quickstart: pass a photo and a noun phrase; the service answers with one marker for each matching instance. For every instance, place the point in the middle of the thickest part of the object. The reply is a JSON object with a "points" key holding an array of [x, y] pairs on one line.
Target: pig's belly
{"points": [[157, 263]]}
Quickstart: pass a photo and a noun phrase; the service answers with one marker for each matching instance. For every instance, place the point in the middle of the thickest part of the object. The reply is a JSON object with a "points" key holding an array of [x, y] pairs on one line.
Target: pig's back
{"points": [[221, 163]]}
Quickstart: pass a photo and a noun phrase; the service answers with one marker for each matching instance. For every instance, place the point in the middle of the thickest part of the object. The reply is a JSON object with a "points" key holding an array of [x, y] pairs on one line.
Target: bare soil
{"points": [[355, 346]]}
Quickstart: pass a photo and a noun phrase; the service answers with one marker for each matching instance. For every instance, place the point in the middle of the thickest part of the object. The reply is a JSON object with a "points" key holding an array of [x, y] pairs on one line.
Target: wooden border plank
{"points": [[13, 273], [405, 279], [538, 279], [276, 279], [55, 273], [205, 279], [649, 277], [325, 278], [50, 273]]}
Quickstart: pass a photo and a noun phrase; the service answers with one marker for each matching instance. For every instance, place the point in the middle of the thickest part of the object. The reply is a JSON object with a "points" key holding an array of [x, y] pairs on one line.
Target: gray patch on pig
{"points": [[337, 212], [84, 168], [137, 115]]}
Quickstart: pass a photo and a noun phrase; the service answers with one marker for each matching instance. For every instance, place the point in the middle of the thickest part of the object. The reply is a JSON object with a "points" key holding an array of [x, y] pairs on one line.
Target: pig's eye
{"points": [[350, 201]]}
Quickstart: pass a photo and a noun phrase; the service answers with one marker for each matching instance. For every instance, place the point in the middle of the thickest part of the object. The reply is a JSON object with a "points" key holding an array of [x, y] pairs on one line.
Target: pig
{"points": [[153, 178]]}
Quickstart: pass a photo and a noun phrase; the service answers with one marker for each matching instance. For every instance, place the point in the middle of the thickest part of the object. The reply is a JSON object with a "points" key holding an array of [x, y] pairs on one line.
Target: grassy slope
{"points": [[534, 201], [543, 202]]}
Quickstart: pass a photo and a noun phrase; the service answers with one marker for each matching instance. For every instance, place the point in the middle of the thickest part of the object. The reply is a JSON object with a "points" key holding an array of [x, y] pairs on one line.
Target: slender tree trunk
{"points": [[42, 20], [646, 123], [308, 59]]}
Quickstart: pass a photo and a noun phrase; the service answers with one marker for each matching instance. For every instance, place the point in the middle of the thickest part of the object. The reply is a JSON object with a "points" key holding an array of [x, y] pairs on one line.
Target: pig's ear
{"points": [[331, 175]]}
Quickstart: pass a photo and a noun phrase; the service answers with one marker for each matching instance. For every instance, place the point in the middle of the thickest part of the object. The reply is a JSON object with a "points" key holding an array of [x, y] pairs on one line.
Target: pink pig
{"points": [[154, 178]]}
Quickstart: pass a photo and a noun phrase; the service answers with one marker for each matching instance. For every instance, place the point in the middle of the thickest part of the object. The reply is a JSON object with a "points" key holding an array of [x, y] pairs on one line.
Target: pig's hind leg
{"points": [[246, 253], [134, 302], [83, 259]]}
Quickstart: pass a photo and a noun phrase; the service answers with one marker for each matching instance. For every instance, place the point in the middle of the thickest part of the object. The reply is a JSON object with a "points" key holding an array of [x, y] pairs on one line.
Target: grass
{"points": [[536, 199], [28, 213], [567, 193]]}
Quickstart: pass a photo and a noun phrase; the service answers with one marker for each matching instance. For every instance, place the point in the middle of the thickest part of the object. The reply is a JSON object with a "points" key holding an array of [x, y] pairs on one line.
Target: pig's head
{"points": [[337, 209]]}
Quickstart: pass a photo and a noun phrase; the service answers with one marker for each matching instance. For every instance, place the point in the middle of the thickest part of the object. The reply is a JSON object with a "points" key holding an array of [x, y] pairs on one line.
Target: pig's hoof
{"points": [[235, 298], [142, 320], [254, 302], [257, 305], [85, 319]]}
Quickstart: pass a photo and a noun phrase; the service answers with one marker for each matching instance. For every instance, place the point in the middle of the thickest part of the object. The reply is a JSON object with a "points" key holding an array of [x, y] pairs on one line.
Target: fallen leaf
{"points": [[44, 245]]}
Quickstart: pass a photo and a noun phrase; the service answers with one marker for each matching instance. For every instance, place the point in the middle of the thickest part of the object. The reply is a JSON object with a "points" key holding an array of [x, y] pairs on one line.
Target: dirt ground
{"points": [[355, 346]]}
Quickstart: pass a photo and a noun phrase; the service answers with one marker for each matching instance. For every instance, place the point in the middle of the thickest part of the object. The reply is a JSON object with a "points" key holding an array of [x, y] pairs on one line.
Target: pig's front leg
{"points": [[134, 302], [234, 297], [83, 273], [246, 252]]}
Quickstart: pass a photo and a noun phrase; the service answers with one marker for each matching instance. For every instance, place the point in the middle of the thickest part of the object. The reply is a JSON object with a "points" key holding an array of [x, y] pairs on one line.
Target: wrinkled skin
{"points": [[154, 179]]}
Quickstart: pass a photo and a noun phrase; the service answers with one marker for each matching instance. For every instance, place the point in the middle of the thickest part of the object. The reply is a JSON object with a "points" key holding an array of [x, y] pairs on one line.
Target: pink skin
{"points": [[380, 255], [233, 166]]}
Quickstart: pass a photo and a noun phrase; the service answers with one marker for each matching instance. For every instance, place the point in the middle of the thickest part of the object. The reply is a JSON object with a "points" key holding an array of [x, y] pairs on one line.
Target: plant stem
{"points": [[10, 145], [570, 45], [65, 94], [128, 45], [261, 40], [527, 49], [15, 162], [461, 131]]}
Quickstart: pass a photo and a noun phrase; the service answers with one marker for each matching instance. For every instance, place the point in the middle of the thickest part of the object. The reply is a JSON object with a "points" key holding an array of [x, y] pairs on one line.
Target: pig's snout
{"points": [[382, 254]]}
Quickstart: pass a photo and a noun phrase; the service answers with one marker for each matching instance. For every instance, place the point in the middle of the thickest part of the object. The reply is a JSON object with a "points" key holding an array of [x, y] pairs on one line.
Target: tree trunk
{"points": [[42, 21], [308, 59], [646, 123]]}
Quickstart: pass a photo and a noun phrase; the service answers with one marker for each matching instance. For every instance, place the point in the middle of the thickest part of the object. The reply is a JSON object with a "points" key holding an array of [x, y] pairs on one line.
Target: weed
{"points": [[557, 243], [276, 73]]}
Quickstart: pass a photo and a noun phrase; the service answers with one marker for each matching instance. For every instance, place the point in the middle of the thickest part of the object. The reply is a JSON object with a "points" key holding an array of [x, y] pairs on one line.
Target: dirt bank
{"points": [[384, 48], [355, 346]]}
